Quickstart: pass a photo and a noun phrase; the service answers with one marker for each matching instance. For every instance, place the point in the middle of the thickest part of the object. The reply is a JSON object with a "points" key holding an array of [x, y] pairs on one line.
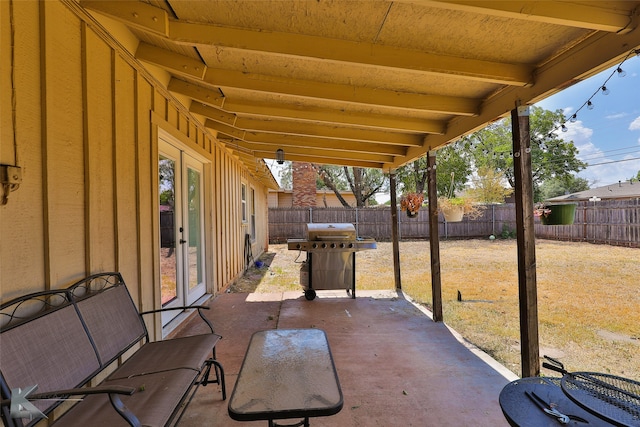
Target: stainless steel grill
{"points": [[331, 257]]}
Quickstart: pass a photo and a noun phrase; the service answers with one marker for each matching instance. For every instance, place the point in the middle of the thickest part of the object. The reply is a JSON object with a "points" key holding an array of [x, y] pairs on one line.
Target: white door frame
{"points": [[186, 165]]}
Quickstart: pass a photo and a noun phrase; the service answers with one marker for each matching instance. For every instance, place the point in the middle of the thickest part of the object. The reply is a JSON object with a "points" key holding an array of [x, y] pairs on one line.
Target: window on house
{"points": [[244, 202], [252, 200]]}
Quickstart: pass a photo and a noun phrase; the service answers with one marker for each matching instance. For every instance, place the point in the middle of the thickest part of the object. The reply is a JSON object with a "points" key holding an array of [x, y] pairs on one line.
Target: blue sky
{"points": [[607, 136]]}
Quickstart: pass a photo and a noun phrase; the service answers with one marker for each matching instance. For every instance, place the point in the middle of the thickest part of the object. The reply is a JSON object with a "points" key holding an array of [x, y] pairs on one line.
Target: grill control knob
{"points": [[350, 245], [333, 245], [324, 245], [342, 245], [314, 246], [298, 246]]}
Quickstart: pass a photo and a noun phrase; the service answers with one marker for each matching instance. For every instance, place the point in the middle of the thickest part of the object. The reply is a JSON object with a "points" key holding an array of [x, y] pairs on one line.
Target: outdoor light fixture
{"points": [[280, 156], [589, 105], [621, 72], [605, 91]]}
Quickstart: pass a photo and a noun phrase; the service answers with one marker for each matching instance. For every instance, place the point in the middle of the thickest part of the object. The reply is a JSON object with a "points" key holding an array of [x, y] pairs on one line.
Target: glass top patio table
{"points": [[286, 373]]}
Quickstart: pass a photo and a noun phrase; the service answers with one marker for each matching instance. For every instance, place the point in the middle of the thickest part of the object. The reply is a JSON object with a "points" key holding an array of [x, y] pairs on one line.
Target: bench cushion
{"points": [[178, 353], [112, 320], [153, 403], [52, 351]]}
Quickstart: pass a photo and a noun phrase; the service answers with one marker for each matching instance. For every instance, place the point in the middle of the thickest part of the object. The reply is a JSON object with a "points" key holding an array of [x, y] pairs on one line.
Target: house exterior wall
{"points": [[85, 131]]}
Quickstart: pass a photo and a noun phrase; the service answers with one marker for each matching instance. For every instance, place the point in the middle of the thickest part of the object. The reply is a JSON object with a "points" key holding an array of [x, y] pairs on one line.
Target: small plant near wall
{"points": [[507, 232], [411, 203]]}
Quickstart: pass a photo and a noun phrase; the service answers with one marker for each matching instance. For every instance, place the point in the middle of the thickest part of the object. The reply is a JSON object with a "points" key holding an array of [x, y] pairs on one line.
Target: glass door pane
{"points": [[195, 251], [168, 231], [195, 244]]}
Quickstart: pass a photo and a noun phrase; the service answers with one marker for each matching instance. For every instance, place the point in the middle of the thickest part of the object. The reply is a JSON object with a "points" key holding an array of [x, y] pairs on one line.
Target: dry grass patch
{"points": [[588, 295]]}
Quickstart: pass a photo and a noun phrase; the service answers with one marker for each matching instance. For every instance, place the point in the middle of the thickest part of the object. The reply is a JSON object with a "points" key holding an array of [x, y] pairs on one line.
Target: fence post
{"points": [[493, 219]]}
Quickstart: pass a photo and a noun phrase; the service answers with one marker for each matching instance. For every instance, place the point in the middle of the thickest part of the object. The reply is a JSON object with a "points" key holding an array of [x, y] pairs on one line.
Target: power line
{"points": [[612, 161]]}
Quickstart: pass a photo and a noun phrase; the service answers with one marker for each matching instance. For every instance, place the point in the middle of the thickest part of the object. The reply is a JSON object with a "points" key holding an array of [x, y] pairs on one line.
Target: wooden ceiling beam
{"points": [[344, 138], [213, 113], [266, 151], [327, 131], [155, 20], [225, 129], [322, 160], [332, 115], [193, 68], [212, 97], [275, 141], [594, 15], [346, 93], [208, 99]]}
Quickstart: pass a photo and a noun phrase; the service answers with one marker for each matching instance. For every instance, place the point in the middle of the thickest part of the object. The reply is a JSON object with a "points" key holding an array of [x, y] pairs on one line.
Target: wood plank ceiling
{"points": [[371, 83]]}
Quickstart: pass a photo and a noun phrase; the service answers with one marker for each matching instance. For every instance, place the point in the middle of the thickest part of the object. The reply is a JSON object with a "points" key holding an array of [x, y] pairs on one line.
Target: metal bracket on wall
{"points": [[10, 179]]}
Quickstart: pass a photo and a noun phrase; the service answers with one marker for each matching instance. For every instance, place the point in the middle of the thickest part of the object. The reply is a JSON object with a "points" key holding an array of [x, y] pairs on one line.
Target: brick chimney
{"points": [[304, 185]]}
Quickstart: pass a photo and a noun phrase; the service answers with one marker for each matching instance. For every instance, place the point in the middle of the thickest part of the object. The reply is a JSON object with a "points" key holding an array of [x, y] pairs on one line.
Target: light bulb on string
{"points": [[590, 105], [573, 118], [621, 72], [564, 128], [605, 91]]}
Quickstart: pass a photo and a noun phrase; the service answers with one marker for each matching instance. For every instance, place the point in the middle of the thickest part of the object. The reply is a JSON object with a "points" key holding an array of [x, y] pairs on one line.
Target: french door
{"points": [[182, 255]]}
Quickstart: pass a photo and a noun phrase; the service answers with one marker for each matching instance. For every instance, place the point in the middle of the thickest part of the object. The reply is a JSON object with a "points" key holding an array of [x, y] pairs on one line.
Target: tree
{"points": [[167, 181], [452, 158], [560, 186], [363, 182], [551, 156], [488, 186], [286, 175]]}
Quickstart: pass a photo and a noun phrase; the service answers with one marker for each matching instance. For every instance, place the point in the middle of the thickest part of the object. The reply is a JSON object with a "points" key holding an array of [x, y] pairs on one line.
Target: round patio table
{"points": [[521, 411]]}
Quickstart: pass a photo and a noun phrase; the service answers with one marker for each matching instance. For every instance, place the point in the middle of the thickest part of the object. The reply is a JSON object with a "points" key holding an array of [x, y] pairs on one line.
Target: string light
{"points": [[603, 88], [574, 117]]}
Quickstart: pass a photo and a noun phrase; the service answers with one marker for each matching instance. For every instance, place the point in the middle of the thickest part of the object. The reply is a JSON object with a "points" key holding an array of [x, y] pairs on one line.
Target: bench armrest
{"points": [[57, 394], [112, 391], [190, 307], [186, 307]]}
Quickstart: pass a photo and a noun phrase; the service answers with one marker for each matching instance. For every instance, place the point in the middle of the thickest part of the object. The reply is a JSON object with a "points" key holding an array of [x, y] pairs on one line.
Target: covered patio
{"points": [[396, 366], [107, 101]]}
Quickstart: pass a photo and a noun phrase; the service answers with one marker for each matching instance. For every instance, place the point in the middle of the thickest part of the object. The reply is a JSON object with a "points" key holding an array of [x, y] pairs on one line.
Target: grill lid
{"points": [[327, 231]]}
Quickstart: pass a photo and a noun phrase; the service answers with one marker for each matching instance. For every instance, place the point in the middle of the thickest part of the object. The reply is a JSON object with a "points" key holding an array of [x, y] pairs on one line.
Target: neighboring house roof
{"points": [[619, 190]]}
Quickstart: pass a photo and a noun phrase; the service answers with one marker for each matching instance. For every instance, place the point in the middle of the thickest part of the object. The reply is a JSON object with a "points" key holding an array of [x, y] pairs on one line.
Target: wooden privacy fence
{"points": [[610, 222]]}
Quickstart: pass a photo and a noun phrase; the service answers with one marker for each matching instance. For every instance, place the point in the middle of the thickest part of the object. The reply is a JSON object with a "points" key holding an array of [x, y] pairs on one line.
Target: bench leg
{"points": [[219, 371]]}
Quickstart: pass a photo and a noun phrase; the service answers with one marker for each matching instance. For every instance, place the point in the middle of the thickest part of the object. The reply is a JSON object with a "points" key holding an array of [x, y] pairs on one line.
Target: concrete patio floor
{"points": [[396, 366]]}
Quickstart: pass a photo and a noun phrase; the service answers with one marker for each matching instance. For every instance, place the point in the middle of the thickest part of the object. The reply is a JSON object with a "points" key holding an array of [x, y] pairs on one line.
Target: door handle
{"points": [[182, 241]]}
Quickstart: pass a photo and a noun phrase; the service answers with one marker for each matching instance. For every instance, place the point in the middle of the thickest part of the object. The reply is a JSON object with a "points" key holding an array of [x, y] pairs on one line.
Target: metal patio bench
{"points": [[65, 341]]}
